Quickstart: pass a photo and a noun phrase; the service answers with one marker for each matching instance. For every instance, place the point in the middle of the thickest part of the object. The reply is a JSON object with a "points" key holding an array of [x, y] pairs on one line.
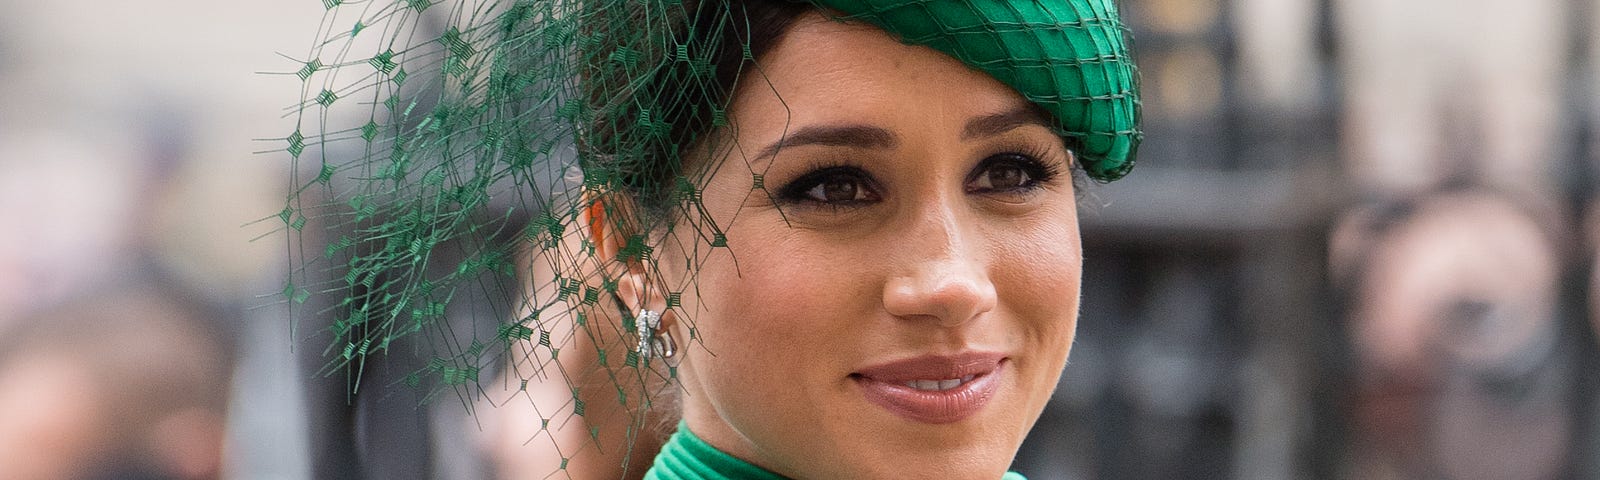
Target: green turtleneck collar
{"points": [[687, 457]]}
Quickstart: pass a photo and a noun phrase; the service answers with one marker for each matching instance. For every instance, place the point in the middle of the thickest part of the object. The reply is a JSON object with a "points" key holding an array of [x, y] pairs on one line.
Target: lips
{"points": [[933, 389]]}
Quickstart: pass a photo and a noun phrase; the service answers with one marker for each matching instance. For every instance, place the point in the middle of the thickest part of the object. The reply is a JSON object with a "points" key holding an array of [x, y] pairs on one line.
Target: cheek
{"points": [[1044, 248], [781, 312], [1038, 276]]}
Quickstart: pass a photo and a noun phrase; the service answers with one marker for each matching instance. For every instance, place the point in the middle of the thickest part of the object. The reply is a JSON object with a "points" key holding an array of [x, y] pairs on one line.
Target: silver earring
{"points": [[653, 340]]}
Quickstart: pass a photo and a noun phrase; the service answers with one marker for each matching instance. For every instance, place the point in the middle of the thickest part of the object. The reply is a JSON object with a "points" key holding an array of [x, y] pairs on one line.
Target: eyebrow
{"points": [[857, 136], [998, 123], [873, 137]]}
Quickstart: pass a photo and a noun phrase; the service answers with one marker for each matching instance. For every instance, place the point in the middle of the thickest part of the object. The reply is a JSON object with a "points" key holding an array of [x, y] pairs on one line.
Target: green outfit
{"points": [[687, 457]]}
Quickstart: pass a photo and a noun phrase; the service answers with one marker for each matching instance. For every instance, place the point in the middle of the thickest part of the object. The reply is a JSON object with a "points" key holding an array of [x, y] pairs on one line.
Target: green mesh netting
{"points": [[445, 153]]}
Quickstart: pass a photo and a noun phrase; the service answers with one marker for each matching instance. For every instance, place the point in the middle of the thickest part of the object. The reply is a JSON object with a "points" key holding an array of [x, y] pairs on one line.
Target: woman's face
{"points": [[899, 299]]}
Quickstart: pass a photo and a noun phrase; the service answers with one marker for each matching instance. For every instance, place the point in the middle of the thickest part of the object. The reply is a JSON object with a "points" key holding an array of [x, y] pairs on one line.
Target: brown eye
{"points": [[836, 190], [1004, 176], [836, 186], [1005, 173]]}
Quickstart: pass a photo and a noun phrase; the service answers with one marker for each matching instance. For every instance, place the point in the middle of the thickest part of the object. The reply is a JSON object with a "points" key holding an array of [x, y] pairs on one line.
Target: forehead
{"points": [[825, 70]]}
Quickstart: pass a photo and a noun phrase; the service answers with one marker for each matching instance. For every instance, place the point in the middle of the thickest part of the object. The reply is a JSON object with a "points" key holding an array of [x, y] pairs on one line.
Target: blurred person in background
{"points": [[1453, 258], [1461, 370], [128, 382], [126, 145]]}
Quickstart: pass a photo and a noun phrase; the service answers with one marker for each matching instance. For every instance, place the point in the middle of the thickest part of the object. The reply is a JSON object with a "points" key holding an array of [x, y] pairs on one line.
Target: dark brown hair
{"points": [[642, 130]]}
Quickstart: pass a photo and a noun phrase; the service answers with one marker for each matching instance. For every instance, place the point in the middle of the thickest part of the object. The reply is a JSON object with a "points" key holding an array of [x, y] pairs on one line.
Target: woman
{"points": [[838, 240]]}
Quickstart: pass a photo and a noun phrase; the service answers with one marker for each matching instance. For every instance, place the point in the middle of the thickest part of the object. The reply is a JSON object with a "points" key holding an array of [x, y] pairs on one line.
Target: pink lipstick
{"points": [[935, 388]]}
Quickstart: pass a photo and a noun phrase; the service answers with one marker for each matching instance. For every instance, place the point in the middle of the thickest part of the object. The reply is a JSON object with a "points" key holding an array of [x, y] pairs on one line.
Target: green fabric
{"points": [[1070, 57], [687, 457]]}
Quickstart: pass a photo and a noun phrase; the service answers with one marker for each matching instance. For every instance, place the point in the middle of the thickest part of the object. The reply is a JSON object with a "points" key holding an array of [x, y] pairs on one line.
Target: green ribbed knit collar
{"points": [[687, 457]]}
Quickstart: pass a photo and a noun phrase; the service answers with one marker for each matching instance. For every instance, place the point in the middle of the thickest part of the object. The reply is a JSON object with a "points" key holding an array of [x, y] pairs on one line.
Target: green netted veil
{"points": [[447, 149]]}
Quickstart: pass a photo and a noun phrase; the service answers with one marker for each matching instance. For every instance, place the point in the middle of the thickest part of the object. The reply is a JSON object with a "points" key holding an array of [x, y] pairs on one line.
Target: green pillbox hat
{"points": [[1068, 56]]}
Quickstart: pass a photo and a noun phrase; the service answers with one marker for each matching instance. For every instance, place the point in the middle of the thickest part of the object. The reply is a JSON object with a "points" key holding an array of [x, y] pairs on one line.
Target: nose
{"points": [[942, 274]]}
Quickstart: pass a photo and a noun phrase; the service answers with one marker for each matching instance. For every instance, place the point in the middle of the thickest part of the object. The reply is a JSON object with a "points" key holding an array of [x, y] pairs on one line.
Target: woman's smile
{"points": [[933, 388]]}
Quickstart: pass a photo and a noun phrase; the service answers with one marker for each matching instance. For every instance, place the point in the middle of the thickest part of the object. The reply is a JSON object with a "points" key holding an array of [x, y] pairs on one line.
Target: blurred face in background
{"points": [[122, 383], [51, 417], [1469, 273], [901, 296], [1455, 324]]}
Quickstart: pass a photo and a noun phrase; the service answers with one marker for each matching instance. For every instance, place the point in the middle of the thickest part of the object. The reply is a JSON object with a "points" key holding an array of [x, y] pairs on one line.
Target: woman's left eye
{"points": [[1008, 172]]}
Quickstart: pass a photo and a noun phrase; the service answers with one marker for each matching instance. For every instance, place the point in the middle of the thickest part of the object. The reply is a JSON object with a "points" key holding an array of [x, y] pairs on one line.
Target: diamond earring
{"points": [[653, 340]]}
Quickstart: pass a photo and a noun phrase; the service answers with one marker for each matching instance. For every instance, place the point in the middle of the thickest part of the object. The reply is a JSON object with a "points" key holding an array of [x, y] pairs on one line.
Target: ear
{"points": [[618, 243]]}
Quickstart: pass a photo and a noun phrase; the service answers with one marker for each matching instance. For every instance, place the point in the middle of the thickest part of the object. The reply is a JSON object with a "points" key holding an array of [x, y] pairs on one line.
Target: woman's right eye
{"points": [[836, 186]]}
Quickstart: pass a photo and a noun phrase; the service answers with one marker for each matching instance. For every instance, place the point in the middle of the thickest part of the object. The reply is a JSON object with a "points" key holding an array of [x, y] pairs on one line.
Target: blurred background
{"points": [[1360, 244]]}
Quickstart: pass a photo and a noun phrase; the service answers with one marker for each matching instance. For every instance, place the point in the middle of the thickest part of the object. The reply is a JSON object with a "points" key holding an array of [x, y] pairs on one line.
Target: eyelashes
{"points": [[1015, 173], [1010, 176], [836, 185]]}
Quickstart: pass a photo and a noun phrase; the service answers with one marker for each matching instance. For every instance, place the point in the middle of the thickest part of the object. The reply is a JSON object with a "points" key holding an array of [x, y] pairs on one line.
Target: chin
{"points": [[980, 447]]}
